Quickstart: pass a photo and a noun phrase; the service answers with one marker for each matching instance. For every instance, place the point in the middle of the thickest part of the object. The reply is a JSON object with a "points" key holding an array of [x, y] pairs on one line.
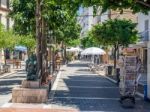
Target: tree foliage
{"points": [[115, 33], [7, 38], [88, 41], [60, 17], [68, 33], [28, 41], [134, 5], [23, 14]]}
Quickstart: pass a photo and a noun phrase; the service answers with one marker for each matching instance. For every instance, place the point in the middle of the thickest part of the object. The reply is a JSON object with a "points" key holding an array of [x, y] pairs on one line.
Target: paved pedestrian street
{"points": [[75, 89], [9, 82], [83, 90]]}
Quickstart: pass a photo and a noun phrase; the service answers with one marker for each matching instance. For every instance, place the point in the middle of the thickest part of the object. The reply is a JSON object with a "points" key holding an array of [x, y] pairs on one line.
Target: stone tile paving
{"points": [[9, 82], [78, 89], [83, 90]]}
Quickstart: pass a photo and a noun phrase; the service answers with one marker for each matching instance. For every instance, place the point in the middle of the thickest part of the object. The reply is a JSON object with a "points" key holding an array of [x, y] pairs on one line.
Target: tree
{"points": [[50, 15], [116, 33], [28, 41], [68, 34], [88, 41], [2, 38], [134, 5], [7, 38]]}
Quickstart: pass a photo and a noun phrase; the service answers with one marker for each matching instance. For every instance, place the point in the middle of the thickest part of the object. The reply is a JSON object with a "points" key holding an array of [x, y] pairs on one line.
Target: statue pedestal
{"points": [[29, 92], [30, 84]]}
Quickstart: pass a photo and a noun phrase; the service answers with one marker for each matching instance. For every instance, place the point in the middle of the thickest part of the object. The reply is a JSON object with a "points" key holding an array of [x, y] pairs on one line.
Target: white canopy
{"points": [[72, 49], [93, 51]]}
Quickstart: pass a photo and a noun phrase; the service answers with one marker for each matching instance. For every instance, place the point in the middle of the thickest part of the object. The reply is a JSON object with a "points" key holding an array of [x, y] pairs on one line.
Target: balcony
{"points": [[144, 36]]}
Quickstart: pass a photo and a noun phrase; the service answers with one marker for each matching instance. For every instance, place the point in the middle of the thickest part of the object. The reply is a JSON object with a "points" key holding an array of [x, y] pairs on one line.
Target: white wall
{"points": [[141, 22], [104, 17], [4, 15], [141, 28], [85, 20], [4, 3]]}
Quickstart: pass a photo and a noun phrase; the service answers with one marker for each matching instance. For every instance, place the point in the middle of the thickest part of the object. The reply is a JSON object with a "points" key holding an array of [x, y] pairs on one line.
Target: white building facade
{"points": [[144, 29], [5, 20], [4, 10], [87, 19]]}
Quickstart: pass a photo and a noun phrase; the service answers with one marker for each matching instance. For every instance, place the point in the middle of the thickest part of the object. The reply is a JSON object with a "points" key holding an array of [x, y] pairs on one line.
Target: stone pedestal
{"points": [[30, 84], [29, 92]]}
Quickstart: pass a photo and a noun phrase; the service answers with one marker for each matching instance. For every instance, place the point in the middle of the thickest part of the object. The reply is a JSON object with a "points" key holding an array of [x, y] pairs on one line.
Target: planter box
{"points": [[29, 95]]}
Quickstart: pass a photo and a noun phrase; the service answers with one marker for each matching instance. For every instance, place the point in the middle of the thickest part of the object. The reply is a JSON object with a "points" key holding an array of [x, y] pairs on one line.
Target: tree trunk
{"points": [[115, 52], [38, 38], [65, 54], [116, 48], [109, 13], [44, 72]]}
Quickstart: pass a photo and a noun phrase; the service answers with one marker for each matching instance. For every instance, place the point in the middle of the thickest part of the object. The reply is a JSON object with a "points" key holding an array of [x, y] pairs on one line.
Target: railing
{"points": [[144, 36]]}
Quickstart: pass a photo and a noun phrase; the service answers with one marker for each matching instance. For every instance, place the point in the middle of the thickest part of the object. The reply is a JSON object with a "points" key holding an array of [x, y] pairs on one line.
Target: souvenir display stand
{"points": [[128, 79]]}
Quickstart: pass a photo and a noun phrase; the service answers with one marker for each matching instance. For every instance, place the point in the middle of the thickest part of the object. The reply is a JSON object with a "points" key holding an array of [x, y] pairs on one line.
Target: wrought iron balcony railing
{"points": [[144, 36]]}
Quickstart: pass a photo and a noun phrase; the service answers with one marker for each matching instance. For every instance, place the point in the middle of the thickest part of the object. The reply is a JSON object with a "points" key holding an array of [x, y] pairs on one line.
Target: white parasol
{"points": [[93, 51]]}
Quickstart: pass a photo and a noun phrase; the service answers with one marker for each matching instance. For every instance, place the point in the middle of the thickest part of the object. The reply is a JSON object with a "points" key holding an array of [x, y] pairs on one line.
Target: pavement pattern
{"points": [[83, 90], [78, 89], [7, 83]]}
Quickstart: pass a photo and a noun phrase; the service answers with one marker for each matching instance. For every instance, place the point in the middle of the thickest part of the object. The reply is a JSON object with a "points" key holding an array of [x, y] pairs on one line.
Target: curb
{"points": [[112, 80]]}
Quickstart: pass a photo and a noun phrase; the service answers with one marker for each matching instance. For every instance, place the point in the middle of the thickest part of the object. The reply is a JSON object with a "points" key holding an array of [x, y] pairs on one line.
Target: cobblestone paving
{"points": [[83, 90]]}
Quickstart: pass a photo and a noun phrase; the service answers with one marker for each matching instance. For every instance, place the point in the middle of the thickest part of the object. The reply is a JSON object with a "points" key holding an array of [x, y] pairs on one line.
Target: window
{"points": [[7, 23], [146, 30], [8, 3]]}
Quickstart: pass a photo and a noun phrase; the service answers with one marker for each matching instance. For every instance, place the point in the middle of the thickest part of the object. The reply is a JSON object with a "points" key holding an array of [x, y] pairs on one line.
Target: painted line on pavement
{"points": [[137, 93], [8, 74], [6, 105], [112, 80], [56, 81], [87, 87], [140, 94], [62, 79], [9, 86], [8, 79], [90, 98], [54, 87]]}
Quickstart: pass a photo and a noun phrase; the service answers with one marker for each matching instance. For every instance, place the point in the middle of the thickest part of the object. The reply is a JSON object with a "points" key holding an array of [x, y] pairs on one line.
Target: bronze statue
{"points": [[31, 68]]}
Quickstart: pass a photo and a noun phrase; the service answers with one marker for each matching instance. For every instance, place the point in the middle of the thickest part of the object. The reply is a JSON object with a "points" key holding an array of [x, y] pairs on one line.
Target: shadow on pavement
{"points": [[5, 90], [90, 92], [77, 65], [8, 82]]}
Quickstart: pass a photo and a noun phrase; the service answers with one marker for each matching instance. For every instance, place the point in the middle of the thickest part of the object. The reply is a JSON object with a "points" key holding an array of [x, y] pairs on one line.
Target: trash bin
{"points": [[109, 70], [145, 93]]}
